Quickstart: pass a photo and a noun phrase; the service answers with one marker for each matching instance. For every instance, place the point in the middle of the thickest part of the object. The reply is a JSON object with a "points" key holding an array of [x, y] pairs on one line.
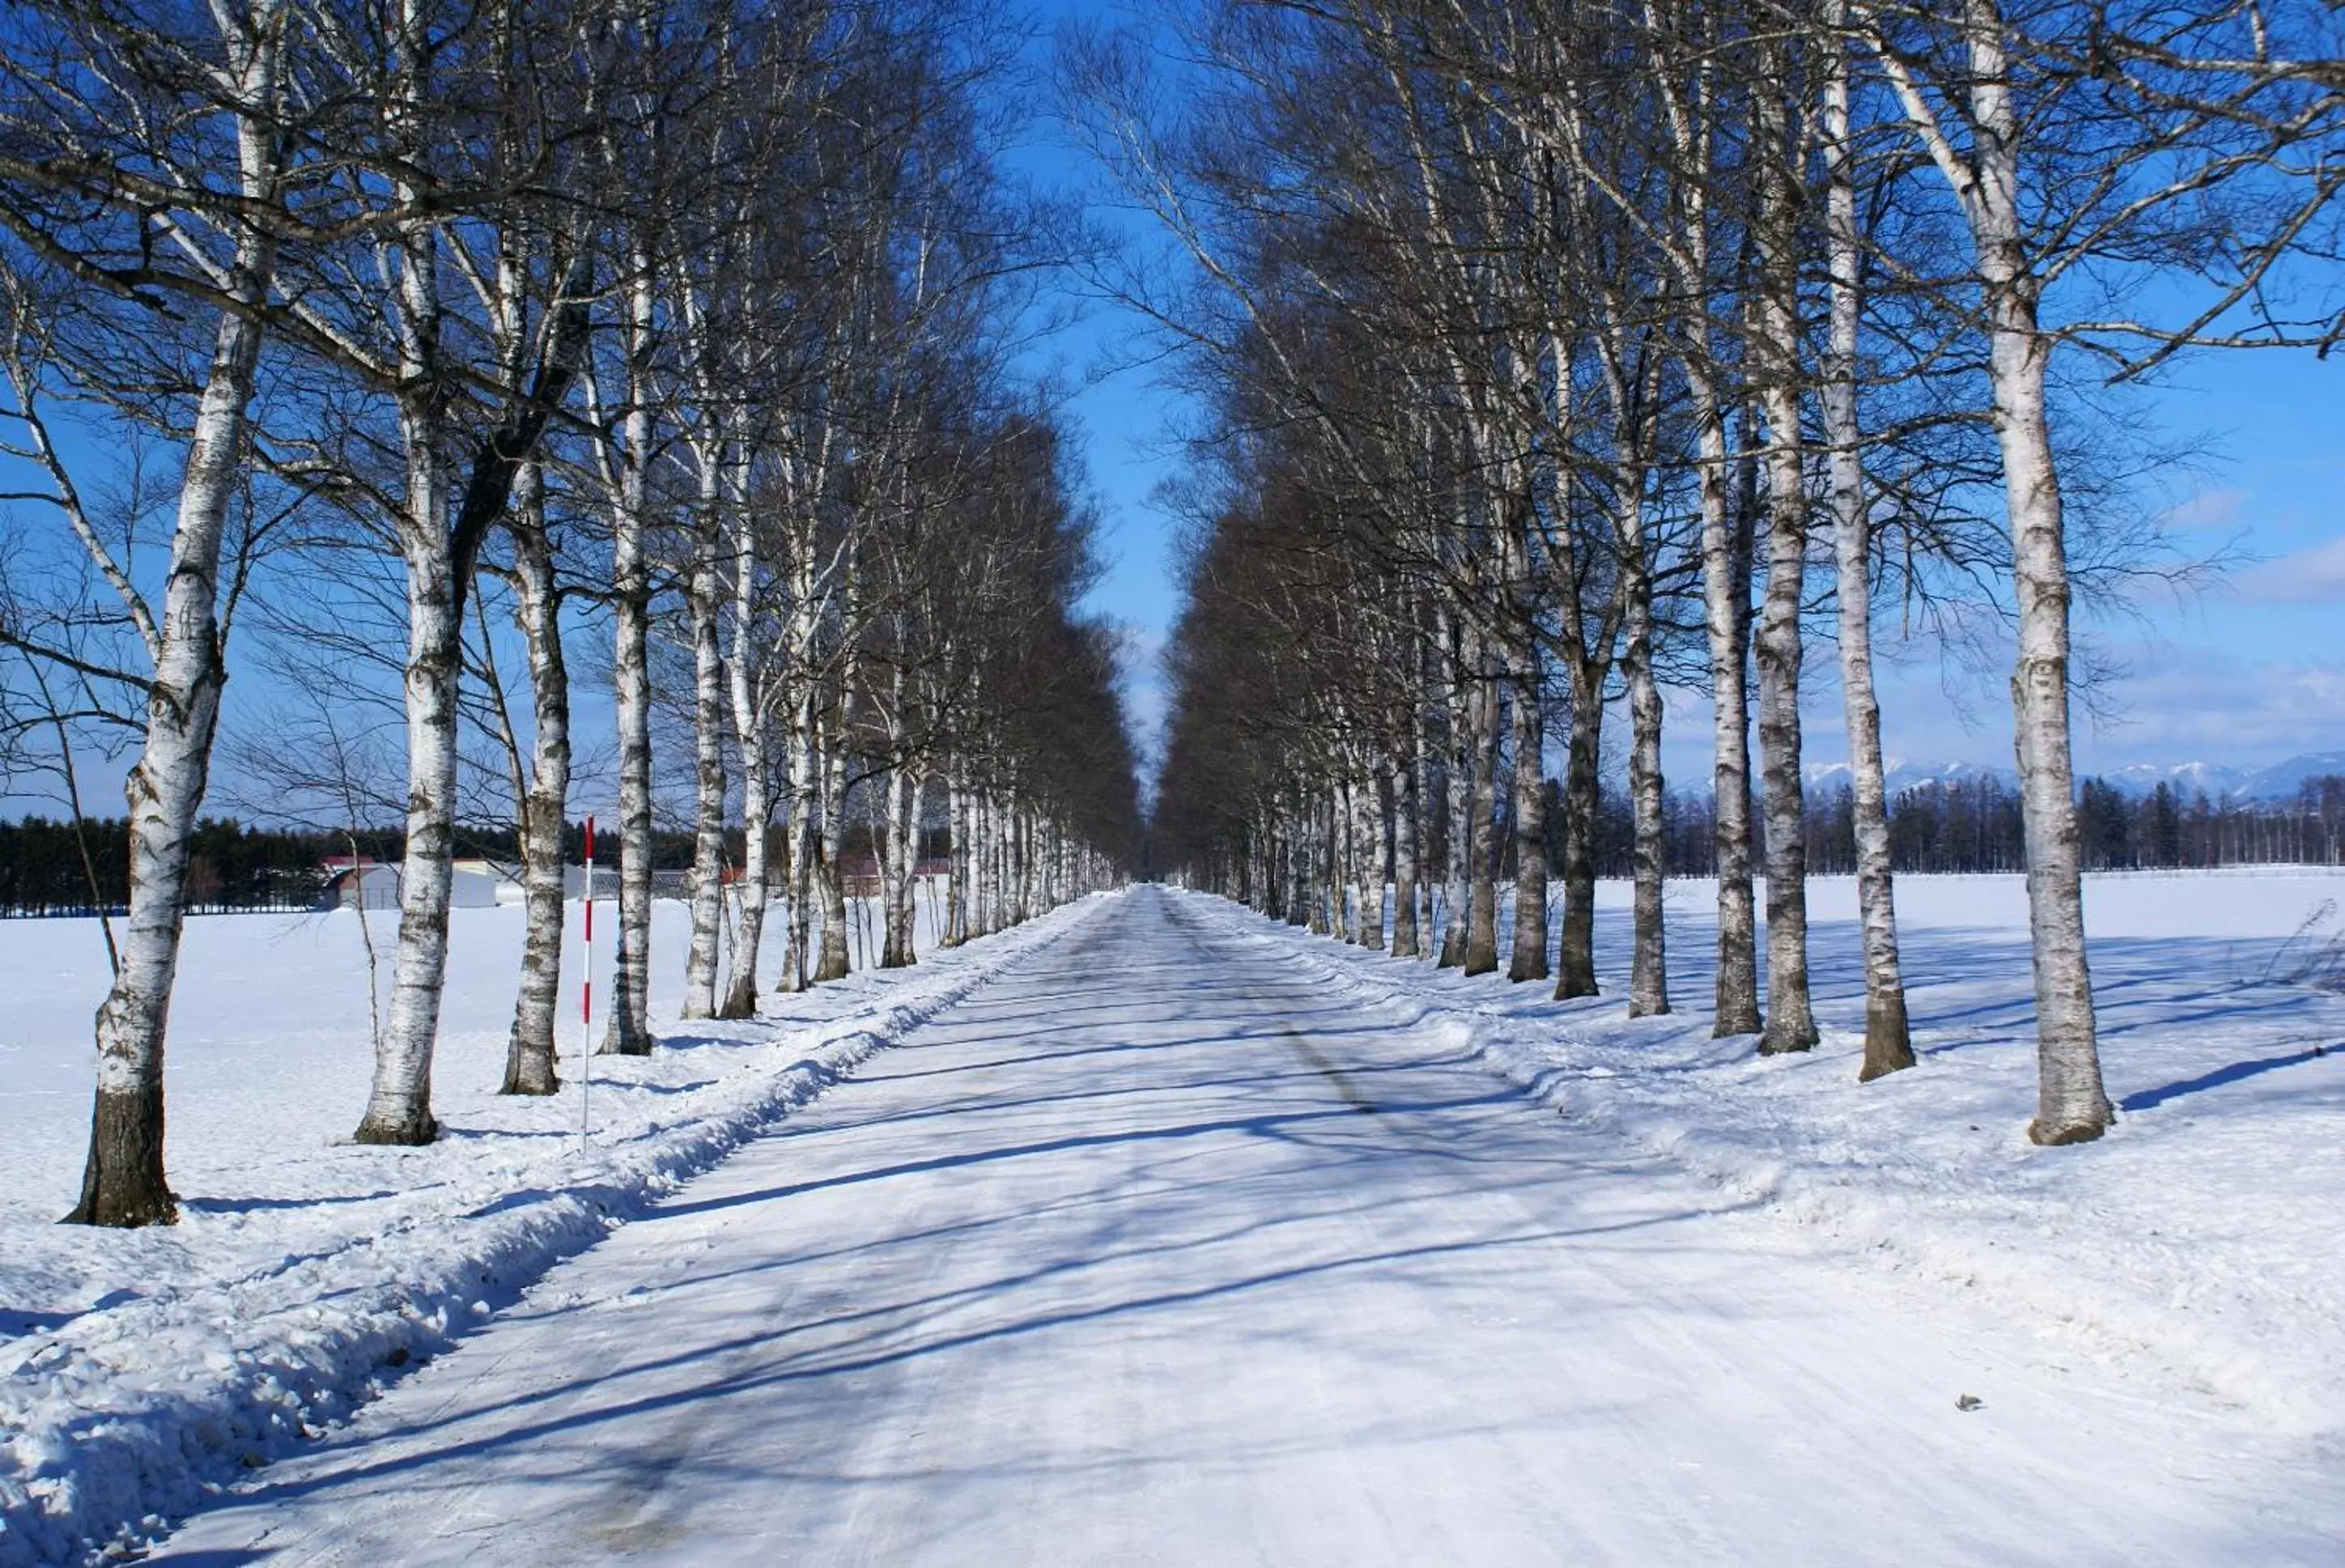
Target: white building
{"points": [[375, 885]]}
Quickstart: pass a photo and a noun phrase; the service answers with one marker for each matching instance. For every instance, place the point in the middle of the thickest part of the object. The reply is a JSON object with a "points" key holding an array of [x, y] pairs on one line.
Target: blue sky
{"points": [[1121, 410], [2247, 670]]}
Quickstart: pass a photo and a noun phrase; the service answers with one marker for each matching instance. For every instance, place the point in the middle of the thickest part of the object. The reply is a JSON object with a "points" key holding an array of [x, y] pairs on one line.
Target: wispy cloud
{"points": [[2200, 703], [2314, 576], [2210, 509], [2167, 703]]}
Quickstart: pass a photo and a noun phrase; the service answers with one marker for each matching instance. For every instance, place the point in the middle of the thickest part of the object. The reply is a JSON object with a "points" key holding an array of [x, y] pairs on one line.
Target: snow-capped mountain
{"points": [[2188, 779], [1905, 773], [2281, 780], [2278, 781], [2217, 781]]}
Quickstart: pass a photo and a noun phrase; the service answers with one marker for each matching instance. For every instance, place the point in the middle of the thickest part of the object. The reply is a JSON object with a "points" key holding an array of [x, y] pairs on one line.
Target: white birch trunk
{"points": [[1888, 1043], [1576, 951], [629, 1033], [907, 788], [704, 593], [1338, 862], [1481, 802], [750, 681], [957, 865], [1726, 619], [531, 1056], [831, 962], [805, 788], [1404, 940], [2072, 1106], [398, 1104], [1648, 984], [1368, 816], [1775, 314], [123, 1178], [1529, 958], [1460, 807]]}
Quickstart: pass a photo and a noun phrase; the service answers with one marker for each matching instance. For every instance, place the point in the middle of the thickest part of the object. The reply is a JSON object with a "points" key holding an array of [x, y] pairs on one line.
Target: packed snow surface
{"points": [[139, 1370], [1161, 1233]]}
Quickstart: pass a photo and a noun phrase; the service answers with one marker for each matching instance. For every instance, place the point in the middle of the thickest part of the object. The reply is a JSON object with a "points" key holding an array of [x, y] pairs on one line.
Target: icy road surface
{"points": [[1150, 1253]]}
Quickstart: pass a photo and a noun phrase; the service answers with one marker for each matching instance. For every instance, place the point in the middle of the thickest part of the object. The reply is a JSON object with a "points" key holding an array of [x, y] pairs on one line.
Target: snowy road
{"points": [[1147, 1253]]}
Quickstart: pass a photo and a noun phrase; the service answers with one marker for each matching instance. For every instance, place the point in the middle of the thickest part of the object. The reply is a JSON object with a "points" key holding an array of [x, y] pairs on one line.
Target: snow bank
{"points": [[139, 1370], [2202, 1241]]}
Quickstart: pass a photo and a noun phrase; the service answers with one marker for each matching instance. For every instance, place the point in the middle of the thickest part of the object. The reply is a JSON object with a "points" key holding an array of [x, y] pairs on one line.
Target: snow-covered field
{"points": [[2191, 1267], [1166, 1248], [2205, 1235], [138, 1368]]}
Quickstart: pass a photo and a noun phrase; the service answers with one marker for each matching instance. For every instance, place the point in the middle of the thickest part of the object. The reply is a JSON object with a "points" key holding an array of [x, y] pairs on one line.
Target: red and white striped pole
{"points": [[586, 995]]}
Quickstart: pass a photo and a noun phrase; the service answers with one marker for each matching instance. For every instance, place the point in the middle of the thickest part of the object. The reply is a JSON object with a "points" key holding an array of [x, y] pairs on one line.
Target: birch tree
{"points": [[2070, 136], [120, 129]]}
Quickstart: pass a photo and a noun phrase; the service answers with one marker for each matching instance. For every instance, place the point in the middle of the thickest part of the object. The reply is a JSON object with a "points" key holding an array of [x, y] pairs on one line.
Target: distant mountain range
{"points": [[1904, 775], [2278, 781]]}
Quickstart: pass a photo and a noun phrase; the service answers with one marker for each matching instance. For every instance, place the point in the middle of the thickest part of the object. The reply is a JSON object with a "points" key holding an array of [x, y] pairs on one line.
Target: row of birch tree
{"points": [[1562, 356], [459, 347]]}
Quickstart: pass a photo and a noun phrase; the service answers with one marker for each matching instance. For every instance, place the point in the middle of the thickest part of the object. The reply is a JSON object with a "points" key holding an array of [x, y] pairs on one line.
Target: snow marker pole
{"points": [[586, 995]]}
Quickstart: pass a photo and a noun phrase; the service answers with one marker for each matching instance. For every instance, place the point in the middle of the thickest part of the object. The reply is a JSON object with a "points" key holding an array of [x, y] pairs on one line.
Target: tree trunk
{"points": [[957, 867], [1726, 617], [532, 1052], [709, 721], [1368, 829], [1339, 862], [399, 1106], [1888, 1042], [1529, 959], [1790, 1024], [1457, 779], [630, 1032], [1404, 843], [755, 886], [1648, 983], [1298, 868], [1315, 833], [1457, 800], [1023, 851], [1776, 314], [904, 836], [803, 790], [123, 1181], [1482, 918], [1576, 956], [2072, 1106], [832, 962], [747, 685]]}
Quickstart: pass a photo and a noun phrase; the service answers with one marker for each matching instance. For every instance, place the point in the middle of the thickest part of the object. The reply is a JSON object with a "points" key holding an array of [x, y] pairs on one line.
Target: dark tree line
{"points": [[1975, 824], [48, 865], [2167, 829]]}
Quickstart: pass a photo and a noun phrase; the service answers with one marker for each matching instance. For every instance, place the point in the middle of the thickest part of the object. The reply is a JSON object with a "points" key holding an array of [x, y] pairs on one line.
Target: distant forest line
{"points": [[238, 869], [1975, 825], [1969, 826]]}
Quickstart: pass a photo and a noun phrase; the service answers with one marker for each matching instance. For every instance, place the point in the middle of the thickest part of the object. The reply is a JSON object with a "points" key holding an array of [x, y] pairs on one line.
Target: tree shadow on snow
{"points": [[2148, 1098]]}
